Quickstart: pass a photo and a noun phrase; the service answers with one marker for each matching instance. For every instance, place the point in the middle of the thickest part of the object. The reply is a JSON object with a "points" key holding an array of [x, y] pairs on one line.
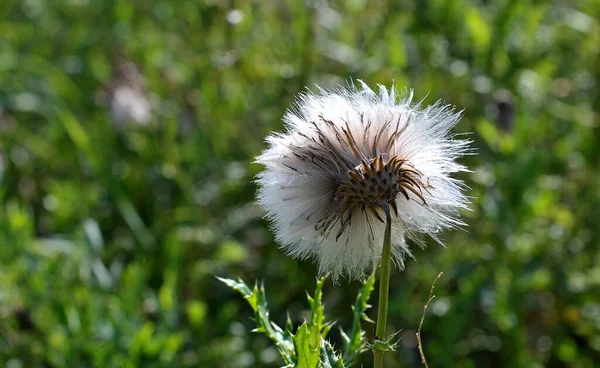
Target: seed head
{"points": [[345, 155]]}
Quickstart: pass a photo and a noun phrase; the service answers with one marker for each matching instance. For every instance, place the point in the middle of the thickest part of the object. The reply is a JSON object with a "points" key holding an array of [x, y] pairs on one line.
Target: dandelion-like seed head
{"points": [[346, 157]]}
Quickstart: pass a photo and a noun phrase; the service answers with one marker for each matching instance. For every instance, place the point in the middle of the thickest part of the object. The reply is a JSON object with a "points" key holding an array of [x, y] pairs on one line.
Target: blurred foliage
{"points": [[127, 135]]}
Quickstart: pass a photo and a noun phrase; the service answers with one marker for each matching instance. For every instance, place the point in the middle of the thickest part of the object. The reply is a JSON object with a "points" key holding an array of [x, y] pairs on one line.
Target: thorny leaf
{"points": [[307, 357], [317, 315], [386, 345], [355, 344], [329, 359], [258, 301], [308, 347]]}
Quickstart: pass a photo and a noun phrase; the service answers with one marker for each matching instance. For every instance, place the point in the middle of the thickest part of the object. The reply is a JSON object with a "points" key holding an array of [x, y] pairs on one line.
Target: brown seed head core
{"points": [[370, 185], [373, 184]]}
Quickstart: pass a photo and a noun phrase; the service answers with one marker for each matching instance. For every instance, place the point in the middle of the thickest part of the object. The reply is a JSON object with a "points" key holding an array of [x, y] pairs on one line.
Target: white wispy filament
{"points": [[345, 155]]}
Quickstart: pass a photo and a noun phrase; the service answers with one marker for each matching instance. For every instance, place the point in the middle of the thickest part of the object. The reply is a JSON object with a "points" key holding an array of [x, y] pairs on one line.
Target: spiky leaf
{"points": [[329, 359], [317, 315], [240, 287], [307, 357], [389, 344], [258, 301], [356, 343]]}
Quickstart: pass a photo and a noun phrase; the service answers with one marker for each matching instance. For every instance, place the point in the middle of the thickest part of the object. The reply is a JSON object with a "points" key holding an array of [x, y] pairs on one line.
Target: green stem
{"points": [[384, 285]]}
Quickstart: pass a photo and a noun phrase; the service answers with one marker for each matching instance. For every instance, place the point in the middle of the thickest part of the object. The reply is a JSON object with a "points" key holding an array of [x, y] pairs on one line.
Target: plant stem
{"points": [[384, 285]]}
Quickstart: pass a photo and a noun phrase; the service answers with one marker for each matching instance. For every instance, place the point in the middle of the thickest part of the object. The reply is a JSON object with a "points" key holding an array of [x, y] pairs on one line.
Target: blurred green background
{"points": [[127, 135]]}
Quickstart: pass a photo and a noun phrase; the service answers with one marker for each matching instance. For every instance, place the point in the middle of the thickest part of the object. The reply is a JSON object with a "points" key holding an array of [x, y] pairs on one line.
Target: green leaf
{"points": [[384, 345], [258, 301], [307, 357], [326, 328], [356, 343], [389, 344], [317, 314], [289, 327], [239, 286], [329, 358]]}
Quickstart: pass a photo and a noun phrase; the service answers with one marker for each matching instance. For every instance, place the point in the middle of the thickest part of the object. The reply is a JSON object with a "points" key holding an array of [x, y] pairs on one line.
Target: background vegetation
{"points": [[127, 135]]}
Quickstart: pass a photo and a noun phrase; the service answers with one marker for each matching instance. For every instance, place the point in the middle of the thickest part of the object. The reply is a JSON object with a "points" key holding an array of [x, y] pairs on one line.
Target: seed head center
{"points": [[373, 183]]}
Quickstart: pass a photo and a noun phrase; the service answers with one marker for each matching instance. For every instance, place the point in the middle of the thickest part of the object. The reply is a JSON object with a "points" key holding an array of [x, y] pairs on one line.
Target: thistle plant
{"points": [[307, 347], [354, 176]]}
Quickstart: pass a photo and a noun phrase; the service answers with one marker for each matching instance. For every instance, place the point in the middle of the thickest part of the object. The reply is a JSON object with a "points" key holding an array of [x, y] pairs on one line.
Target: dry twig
{"points": [[431, 297]]}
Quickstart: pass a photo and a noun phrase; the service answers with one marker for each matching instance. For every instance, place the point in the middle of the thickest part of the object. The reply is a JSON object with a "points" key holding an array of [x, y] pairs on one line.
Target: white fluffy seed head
{"points": [[346, 153]]}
